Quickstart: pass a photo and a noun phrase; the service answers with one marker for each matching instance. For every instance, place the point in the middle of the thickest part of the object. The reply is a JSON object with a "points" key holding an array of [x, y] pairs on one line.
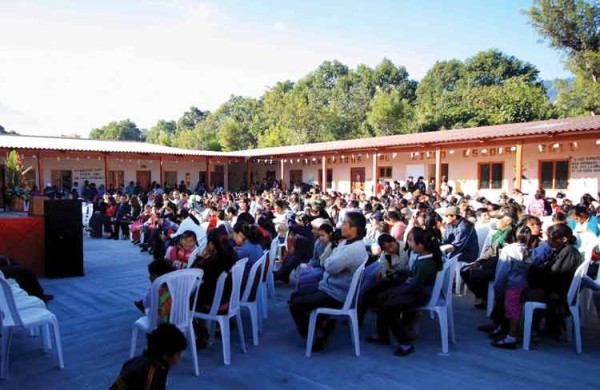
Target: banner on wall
{"points": [[89, 174]]}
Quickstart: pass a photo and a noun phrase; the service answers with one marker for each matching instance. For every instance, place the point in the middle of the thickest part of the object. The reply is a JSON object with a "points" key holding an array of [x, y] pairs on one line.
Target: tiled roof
{"points": [[92, 145], [513, 130], [509, 131]]}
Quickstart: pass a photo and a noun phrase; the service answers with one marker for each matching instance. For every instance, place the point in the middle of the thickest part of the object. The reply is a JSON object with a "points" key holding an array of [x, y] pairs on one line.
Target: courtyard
{"points": [[96, 313]]}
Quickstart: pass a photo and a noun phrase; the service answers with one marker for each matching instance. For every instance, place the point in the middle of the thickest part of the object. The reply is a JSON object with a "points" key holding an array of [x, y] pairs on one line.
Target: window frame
{"points": [[554, 180], [490, 164], [384, 168]]}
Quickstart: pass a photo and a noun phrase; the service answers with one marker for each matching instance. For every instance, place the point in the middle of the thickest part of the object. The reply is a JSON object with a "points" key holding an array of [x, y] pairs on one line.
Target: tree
{"points": [[191, 118], [492, 67], [122, 130], [478, 93], [390, 113], [573, 27], [162, 133]]}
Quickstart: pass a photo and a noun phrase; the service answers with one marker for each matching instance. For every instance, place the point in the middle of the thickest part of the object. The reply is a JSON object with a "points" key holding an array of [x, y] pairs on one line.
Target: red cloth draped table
{"points": [[23, 240]]}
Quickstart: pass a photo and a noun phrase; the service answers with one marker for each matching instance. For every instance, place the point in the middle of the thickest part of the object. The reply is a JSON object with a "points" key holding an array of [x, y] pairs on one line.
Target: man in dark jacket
{"points": [[122, 218], [460, 234]]}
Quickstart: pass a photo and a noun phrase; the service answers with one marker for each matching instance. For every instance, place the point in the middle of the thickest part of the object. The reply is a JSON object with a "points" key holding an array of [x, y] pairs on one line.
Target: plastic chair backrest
{"points": [[8, 307], [253, 277], [482, 234], [573, 294], [270, 260], [181, 285], [585, 240], [237, 274], [442, 284], [353, 292]]}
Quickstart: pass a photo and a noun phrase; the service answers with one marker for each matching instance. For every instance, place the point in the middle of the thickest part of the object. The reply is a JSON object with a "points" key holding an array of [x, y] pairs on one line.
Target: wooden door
{"points": [[357, 179], [218, 176], [295, 177], [144, 178]]}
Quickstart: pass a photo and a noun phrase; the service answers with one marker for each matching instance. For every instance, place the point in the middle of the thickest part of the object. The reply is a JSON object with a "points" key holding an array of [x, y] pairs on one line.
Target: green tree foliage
{"points": [[335, 102], [162, 133], [122, 130], [391, 114], [573, 27], [487, 89]]}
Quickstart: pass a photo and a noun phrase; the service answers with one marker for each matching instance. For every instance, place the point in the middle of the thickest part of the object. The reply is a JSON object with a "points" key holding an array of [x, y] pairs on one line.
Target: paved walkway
{"points": [[96, 313]]}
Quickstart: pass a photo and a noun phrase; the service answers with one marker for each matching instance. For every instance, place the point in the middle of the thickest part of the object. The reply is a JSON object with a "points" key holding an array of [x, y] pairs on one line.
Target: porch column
{"points": [[161, 173], [248, 174], [282, 174], [208, 178], [375, 172], [438, 169], [226, 177], [323, 174], [106, 171], [40, 169], [518, 165]]}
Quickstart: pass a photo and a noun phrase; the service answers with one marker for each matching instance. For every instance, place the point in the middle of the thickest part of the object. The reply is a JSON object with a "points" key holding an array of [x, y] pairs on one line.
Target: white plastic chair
{"points": [[572, 301], [252, 303], [88, 211], [349, 310], [233, 310], [586, 241], [441, 302], [182, 284], [12, 318], [270, 278]]}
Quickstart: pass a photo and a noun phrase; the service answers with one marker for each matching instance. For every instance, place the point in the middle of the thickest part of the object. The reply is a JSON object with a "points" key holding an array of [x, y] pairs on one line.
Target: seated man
{"points": [[460, 234], [332, 290], [24, 277]]}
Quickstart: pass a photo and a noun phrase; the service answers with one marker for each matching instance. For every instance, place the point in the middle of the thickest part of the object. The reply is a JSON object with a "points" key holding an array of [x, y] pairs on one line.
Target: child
{"points": [[399, 303], [184, 251], [156, 269], [510, 281], [150, 371]]}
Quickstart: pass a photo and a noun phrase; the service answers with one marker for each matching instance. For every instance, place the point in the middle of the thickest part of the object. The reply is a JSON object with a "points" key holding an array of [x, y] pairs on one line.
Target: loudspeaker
{"points": [[64, 238]]}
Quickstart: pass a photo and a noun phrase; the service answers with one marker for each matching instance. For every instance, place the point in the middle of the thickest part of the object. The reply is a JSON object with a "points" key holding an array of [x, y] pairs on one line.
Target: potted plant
{"points": [[17, 192]]}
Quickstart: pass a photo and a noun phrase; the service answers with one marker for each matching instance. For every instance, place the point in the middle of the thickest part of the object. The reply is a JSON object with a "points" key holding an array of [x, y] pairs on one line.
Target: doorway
{"points": [[295, 177], [144, 179], [357, 179], [218, 176]]}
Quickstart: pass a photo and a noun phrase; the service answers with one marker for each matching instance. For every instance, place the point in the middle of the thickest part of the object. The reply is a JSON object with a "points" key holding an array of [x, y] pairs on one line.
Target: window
{"points": [[61, 179], [116, 179], [385, 172], [554, 175], [491, 175], [171, 178]]}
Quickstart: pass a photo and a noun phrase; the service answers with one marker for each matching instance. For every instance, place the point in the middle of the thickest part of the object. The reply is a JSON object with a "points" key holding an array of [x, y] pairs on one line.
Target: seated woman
{"points": [[303, 243], [217, 257], [186, 249], [311, 274], [398, 305], [247, 239], [549, 280]]}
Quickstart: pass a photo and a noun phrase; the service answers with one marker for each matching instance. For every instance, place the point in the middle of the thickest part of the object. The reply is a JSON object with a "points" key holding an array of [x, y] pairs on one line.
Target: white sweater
{"points": [[340, 267]]}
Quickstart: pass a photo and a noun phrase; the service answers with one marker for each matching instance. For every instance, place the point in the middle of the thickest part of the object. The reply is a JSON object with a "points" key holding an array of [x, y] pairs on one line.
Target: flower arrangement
{"points": [[15, 177]]}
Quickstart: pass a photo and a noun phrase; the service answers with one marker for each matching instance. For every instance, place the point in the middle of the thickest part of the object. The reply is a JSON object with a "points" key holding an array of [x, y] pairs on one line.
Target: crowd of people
{"points": [[529, 246]]}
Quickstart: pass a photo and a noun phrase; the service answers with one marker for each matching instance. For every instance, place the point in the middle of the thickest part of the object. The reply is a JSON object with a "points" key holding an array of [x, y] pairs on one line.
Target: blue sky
{"points": [[69, 66]]}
